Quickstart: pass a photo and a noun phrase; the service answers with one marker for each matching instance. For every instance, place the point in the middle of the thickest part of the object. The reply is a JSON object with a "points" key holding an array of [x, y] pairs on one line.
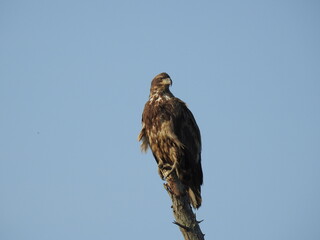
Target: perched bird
{"points": [[170, 130]]}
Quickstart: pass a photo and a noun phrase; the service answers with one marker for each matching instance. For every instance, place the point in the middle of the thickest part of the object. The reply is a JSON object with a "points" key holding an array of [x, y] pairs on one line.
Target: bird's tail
{"points": [[195, 197]]}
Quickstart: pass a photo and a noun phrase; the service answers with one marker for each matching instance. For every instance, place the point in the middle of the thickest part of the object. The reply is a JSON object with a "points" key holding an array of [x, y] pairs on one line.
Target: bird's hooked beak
{"points": [[167, 81]]}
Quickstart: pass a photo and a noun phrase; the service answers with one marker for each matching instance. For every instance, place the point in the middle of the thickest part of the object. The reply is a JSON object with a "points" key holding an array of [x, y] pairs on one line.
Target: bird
{"points": [[170, 130]]}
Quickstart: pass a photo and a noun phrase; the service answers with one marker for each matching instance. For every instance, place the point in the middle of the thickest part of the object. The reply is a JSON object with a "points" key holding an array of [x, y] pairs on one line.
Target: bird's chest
{"points": [[160, 140], [159, 111], [155, 120]]}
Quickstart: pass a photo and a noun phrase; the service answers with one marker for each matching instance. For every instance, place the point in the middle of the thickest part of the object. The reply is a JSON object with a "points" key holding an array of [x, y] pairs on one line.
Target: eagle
{"points": [[171, 132]]}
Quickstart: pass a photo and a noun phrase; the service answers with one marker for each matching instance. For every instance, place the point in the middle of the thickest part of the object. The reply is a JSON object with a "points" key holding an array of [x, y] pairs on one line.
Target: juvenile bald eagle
{"points": [[170, 130]]}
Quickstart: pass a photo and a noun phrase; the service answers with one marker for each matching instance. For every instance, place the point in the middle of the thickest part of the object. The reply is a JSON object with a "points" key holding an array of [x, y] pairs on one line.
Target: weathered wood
{"points": [[182, 211]]}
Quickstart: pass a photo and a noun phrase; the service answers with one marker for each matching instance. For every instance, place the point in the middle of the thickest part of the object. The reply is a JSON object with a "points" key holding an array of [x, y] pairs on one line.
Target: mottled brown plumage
{"points": [[170, 130]]}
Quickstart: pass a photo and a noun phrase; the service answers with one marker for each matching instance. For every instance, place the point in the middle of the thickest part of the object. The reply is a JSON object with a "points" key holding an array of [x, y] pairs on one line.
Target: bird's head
{"points": [[161, 83]]}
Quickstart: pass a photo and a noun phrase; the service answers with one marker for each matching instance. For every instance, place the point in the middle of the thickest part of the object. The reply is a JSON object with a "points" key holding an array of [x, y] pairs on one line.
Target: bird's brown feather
{"points": [[170, 130]]}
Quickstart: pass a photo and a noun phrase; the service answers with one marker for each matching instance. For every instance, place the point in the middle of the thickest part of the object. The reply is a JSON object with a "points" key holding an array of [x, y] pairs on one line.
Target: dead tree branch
{"points": [[182, 211]]}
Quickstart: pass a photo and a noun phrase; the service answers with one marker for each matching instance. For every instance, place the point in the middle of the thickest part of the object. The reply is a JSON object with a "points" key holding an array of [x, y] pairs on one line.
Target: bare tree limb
{"points": [[182, 211]]}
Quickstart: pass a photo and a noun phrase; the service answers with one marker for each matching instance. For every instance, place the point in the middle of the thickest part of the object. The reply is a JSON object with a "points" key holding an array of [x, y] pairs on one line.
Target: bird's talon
{"points": [[167, 174]]}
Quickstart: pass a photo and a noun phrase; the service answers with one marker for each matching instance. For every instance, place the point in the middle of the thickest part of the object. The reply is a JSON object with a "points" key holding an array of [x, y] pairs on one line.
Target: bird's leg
{"points": [[160, 173], [161, 166], [164, 166], [172, 168]]}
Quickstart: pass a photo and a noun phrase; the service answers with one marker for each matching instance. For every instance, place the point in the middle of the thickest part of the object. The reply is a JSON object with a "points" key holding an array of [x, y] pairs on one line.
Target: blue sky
{"points": [[74, 77]]}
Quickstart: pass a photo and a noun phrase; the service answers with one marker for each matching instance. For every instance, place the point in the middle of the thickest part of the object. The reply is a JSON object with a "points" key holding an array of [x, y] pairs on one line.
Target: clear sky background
{"points": [[74, 77]]}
